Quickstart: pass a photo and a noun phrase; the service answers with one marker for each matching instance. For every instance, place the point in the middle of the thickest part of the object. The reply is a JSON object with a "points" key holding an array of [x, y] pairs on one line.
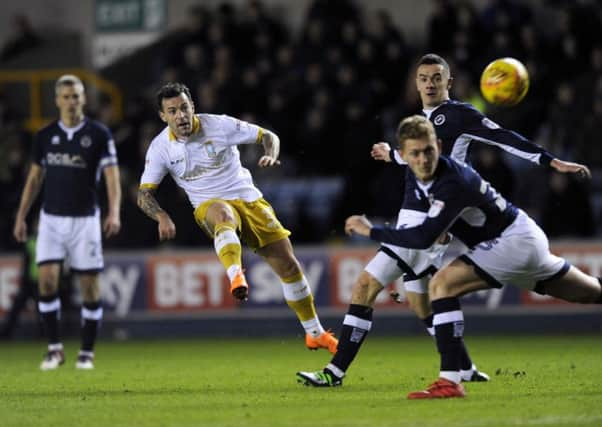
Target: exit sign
{"points": [[130, 15]]}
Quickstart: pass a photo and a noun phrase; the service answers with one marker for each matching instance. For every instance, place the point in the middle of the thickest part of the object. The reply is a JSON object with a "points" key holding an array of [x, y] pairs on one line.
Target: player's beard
{"points": [[184, 129]]}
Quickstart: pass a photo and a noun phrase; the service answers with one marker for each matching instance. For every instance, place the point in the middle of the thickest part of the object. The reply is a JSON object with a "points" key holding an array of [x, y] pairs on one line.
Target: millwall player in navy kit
{"points": [[69, 155], [457, 125], [505, 245]]}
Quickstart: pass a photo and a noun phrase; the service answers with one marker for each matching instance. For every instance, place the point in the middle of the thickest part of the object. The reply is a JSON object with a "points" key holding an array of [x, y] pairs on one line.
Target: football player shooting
{"points": [[68, 155], [199, 152], [506, 245]]}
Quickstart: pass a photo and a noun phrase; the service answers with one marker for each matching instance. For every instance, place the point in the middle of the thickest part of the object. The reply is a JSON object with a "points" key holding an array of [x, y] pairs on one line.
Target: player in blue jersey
{"points": [[457, 125], [505, 245], [68, 157]]}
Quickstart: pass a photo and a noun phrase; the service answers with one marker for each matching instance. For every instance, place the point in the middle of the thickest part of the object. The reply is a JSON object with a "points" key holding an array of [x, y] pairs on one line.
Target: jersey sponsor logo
{"points": [[55, 140], [439, 120], [210, 149], [194, 173], [85, 141], [173, 162], [488, 123], [65, 159], [197, 171], [436, 208]]}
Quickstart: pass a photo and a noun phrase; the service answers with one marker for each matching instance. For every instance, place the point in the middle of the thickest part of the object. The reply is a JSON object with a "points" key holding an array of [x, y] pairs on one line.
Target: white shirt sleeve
{"points": [[154, 167], [240, 132]]}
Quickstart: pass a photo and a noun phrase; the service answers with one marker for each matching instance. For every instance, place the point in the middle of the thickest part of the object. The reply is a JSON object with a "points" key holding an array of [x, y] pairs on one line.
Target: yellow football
{"points": [[505, 82]]}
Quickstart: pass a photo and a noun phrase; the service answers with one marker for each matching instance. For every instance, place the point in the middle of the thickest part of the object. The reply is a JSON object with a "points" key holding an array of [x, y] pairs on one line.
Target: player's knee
{"points": [[438, 287], [90, 288], [48, 284], [47, 287], [365, 289], [286, 265], [220, 212], [291, 267]]}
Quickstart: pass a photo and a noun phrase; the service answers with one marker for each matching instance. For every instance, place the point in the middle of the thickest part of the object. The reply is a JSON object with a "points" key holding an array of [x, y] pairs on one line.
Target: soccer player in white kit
{"points": [[199, 152], [68, 156]]}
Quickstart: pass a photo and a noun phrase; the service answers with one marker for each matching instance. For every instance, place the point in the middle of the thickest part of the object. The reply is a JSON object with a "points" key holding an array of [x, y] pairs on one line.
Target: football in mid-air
{"points": [[505, 82]]}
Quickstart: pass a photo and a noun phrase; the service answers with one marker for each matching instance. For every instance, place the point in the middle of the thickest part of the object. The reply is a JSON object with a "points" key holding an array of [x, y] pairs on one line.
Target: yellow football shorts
{"points": [[257, 222]]}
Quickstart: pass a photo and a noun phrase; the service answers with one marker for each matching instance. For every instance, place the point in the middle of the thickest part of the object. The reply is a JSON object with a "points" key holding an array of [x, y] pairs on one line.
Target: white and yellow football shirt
{"points": [[206, 166]]}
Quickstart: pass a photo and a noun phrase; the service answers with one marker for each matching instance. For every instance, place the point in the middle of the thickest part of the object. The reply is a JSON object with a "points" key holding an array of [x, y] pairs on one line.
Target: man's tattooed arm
{"points": [[148, 204]]}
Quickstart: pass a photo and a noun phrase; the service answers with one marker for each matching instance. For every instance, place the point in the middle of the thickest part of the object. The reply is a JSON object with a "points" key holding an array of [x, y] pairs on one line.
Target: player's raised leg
{"points": [[222, 222], [574, 286]]}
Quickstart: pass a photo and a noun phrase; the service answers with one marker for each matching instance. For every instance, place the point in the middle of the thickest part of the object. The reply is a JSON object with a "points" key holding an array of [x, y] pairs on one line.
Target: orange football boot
{"points": [[239, 287], [327, 340]]}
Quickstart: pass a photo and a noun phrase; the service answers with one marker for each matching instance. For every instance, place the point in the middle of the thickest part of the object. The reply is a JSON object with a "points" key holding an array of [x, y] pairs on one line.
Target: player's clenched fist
{"points": [[358, 224]]}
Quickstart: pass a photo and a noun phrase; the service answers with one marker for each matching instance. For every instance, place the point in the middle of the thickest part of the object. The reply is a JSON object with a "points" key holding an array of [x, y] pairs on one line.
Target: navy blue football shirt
{"points": [[459, 124], [457, 200], [73, 159]]}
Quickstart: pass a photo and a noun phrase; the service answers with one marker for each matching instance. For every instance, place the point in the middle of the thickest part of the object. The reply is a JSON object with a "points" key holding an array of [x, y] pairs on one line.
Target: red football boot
{"points": [[440, 389]]}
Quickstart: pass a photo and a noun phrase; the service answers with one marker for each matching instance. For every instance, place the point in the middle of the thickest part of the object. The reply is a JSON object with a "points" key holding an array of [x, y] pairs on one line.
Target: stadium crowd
{"points": [[342, 83]]}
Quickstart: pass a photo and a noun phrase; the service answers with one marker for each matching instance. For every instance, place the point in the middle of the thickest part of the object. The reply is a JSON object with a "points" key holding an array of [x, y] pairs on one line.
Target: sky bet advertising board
{"points": [[195, 282]]}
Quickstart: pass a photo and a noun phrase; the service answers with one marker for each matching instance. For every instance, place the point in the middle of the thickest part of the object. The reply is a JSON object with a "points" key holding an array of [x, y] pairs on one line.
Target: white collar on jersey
{"points": [[424, 186], [71, 131], [427, 112]]}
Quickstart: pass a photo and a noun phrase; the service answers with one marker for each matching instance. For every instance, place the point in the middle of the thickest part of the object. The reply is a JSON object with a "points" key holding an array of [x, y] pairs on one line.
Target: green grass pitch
{"points": [[536, 381]]}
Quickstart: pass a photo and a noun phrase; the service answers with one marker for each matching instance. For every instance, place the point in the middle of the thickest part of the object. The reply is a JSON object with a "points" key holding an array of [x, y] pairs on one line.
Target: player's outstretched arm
{"points": [[381, 151], [149, 205], [112, 223], [570, 167], [271, 147], [34, 181]]}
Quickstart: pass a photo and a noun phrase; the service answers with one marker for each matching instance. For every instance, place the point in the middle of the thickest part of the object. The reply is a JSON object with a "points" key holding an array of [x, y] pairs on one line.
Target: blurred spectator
{"points": [[489, 161], [587, 142], [341, 82], [22, 38], [567, 210], [558, 133], [28, 288], [441, 23]]}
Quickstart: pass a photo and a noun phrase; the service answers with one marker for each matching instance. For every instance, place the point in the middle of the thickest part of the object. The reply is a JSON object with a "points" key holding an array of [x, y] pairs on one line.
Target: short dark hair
{"points": [[171, 90], [433, 58], [415, 127]]}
